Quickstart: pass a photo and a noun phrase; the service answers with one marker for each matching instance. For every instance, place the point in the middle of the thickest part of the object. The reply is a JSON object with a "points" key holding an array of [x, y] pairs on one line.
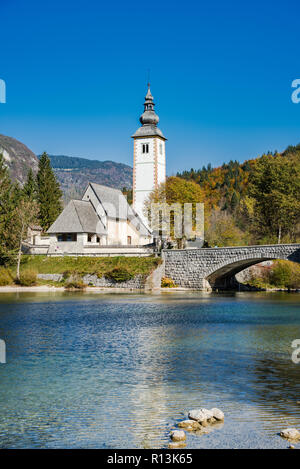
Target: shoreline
{"points": [[89, 289]]}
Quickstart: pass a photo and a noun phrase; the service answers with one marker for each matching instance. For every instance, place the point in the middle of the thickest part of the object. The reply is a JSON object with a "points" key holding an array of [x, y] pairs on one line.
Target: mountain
{"points": [[18, 158], [74, 174]]}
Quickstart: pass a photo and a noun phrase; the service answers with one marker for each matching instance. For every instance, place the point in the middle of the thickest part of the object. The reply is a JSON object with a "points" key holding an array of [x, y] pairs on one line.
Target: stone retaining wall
{"points": [[139, 282]]}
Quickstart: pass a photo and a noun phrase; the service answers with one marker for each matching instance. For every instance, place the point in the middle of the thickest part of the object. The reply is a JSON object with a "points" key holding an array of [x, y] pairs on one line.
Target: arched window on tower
{"points": [[145, 147]]}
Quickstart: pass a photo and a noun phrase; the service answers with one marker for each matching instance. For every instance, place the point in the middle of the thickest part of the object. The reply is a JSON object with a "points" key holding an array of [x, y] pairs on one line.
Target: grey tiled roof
{"points": [[137, 222], [78, 217], [148, 131], [116, 206], [113, 201]]}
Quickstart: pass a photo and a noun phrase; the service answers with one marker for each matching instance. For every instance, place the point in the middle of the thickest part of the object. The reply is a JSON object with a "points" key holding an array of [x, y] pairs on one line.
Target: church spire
{"points": [[149, 100], [149, 119]]}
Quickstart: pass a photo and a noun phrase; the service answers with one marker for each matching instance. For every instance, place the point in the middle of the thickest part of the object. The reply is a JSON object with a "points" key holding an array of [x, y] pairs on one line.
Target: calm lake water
{"points": [[119, 371]]}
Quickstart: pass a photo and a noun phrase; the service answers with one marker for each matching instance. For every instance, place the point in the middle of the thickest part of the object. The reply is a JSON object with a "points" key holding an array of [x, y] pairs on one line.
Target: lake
{"points": [[119, 371]]}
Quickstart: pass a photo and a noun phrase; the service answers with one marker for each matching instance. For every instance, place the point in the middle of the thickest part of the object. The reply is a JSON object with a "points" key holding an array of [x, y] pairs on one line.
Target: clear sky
{"points": [[221, 75]]}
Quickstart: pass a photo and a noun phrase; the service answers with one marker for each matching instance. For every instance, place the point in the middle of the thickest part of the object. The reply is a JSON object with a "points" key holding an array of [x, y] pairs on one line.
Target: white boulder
{"points": [[179, 444], [201, 415], [177, 435], [217, 413], [189, 425], [290, 434]]}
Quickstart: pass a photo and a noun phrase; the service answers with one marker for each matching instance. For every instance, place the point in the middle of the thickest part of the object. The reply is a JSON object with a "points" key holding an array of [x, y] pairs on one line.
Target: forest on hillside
{"points": [[255, 202]]}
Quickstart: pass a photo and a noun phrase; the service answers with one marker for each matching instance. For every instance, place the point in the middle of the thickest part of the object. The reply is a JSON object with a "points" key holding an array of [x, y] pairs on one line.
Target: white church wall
{"points": [[161, 161], [69, 247], [149, 170]]}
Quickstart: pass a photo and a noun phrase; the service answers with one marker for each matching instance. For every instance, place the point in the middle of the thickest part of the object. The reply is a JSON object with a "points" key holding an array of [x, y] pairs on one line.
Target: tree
{"points": [[175, 191], [25, 214], [275, 187], [221, 230], [48, 193], [8, 196], [30, 186], [234, 201]]}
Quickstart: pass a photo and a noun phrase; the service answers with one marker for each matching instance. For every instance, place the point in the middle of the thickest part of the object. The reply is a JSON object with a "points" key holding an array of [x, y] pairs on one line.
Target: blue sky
{"points": [[221, 75]]}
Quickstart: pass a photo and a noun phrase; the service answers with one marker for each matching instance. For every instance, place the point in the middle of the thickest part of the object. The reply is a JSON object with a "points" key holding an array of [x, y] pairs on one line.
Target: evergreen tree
{"points": [[275, 187], [30, 186], [8, 201], [48, 193], [234, 201]]}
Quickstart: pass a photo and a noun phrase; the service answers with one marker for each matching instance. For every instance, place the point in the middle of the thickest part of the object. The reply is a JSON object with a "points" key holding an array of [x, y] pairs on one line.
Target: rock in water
{"points": [[290, 434], [189, 425], [179, 444], [178, 435], [217, 413], [201, 415]]}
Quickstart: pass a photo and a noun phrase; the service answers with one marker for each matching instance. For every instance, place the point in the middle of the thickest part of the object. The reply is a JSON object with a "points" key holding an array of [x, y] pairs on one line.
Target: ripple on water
{"points": [[121, 371]]}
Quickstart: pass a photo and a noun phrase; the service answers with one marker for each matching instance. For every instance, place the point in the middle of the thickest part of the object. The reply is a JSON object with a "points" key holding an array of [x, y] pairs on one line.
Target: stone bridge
{"points": [[215, 268]]}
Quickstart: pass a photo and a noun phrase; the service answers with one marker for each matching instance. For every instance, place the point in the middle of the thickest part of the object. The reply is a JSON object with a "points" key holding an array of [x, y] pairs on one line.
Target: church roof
{"points": [[113, 201], [79, 216], [116, 206], [148, 131], [149, 119]]}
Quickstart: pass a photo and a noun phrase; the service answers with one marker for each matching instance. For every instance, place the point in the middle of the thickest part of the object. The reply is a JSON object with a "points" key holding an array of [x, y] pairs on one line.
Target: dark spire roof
{"points": [[149, 119]]}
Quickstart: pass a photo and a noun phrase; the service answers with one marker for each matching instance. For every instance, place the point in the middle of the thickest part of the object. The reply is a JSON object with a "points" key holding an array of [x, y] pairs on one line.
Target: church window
{"points": [[67, 237], [160, 148], [129, 240], [89, 237], [145, 147]]}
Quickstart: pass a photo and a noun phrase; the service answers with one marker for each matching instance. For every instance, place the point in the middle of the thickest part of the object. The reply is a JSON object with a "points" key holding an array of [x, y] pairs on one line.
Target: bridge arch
{"points": [[224, 276]]}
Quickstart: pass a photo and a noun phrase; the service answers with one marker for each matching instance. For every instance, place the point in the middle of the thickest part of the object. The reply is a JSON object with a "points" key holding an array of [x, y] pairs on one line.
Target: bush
{"points": [[119, 274], [285, 274], [28, 278], [75, 282], [167, 283], [75, 285], [5, 277]]}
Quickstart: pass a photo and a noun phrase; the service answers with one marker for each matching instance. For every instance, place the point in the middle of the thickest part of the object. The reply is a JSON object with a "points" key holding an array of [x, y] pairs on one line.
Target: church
{"points": [[102, 222]]}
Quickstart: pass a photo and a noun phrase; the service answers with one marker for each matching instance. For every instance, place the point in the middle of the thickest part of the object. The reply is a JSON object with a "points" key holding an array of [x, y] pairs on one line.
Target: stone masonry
{"points": [[203, 269], [150, 283]]}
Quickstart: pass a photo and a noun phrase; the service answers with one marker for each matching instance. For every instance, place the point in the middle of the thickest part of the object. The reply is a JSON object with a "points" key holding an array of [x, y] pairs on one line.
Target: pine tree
{"points": [[30, 186], [275, 187], [234, 201], [48, 193], [7, 205]]}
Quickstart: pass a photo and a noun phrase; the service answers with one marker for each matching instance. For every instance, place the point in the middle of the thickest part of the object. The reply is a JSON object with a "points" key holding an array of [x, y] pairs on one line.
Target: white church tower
{"points": [[149, 156]]}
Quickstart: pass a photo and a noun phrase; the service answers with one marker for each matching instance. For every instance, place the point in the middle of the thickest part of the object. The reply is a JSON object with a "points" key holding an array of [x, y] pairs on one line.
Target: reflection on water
{"points": [[104, 371]]}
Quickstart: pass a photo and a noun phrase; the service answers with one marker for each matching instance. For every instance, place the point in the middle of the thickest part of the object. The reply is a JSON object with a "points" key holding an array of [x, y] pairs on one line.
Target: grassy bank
{"points": [[127, 267]]}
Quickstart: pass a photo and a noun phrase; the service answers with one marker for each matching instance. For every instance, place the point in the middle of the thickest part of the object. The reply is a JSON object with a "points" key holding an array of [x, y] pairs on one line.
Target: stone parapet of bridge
{"points": [[202, 269]]}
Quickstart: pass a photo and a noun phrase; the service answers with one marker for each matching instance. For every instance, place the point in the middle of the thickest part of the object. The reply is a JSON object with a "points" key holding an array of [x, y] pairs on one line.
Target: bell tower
{"points": [[149, 156]]}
